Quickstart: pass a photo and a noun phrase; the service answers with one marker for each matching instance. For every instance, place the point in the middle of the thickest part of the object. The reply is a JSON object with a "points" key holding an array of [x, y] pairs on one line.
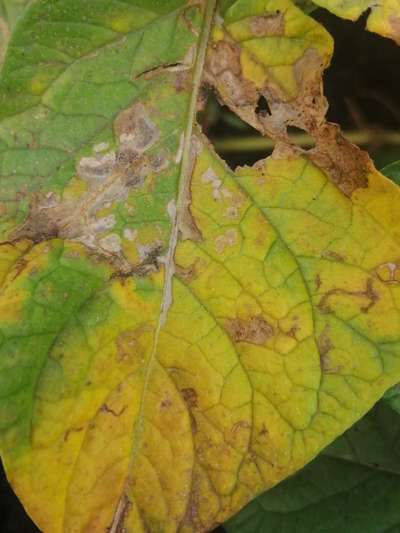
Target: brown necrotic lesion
{"points": [[109, 176]]}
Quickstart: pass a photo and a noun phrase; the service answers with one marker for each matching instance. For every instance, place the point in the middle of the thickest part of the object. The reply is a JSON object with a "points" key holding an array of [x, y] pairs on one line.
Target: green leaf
{"points": [[177, 337], [392, 171], [10, 10], [353, 486], [392, 397]]}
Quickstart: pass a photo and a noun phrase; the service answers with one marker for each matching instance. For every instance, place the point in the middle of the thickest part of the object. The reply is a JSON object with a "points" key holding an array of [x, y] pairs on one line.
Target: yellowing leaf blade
{"points": [[182, 336], [383, 19]]}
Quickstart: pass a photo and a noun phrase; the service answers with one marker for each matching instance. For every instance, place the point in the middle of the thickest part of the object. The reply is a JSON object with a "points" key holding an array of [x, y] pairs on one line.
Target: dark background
{"points": [[363, 88]]}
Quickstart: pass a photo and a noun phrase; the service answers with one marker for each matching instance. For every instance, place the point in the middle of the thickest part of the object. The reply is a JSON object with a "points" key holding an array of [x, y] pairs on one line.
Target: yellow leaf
{"points": [[177, 337], [384, 17]]}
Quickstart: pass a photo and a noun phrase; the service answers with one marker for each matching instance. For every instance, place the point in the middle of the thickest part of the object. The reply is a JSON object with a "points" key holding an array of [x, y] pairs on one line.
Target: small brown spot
{"points": [[134, 128], [127, 346], [324, 345], [19, 267], [251, 457], [268, 25], [166, 402], [159, 161], [369, 293], [240, 425], [73, 430], [254, 331], [190, 397], [150, 258], [334, 256], [389, 273], [126, 156], [182, 80], [187, 274], [292, 331], [105, 409], [227, 240]]}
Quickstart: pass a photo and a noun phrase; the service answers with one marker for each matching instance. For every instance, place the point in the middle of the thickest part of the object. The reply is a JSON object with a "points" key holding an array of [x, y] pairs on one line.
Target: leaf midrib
{"points": [[184, 182]]}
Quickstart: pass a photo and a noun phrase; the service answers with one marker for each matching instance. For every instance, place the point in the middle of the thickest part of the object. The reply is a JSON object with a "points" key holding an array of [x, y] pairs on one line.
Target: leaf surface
{"points": [[354, 485], [392, 397], [392, 171], [10, 10], [383, 18], [178, 337]]}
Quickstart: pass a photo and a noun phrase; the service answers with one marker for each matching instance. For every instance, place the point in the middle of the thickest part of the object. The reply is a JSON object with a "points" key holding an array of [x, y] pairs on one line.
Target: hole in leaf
{"points": [[300, 137], [234, 140], [262, 108], [362, 86], [362, 91]]}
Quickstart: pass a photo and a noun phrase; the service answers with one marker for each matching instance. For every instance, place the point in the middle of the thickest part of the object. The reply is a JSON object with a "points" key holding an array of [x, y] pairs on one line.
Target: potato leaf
{"points": [[177, 337]]}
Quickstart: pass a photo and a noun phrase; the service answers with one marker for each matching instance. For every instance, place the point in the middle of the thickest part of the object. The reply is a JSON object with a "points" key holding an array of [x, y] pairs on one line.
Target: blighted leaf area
{"points": [[107, 177], [278, 57], [178, 337]]}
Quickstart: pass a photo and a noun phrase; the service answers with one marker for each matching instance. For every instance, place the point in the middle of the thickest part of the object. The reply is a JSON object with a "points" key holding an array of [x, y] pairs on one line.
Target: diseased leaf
{"points": [[353, 486], [276, 52], [384, 16], [178, 337], [289, 80], [392, 396]]}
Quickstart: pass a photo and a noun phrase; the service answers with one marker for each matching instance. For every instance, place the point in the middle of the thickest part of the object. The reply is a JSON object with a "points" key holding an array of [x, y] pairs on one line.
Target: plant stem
{"points": [[254, 143]]}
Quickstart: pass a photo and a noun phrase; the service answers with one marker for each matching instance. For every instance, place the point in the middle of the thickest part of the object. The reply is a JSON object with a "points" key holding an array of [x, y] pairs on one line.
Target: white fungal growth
{"points": [[101, 147], [98, 168], [103, 224], [130, 235], [209, 176], [111, 243]]}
